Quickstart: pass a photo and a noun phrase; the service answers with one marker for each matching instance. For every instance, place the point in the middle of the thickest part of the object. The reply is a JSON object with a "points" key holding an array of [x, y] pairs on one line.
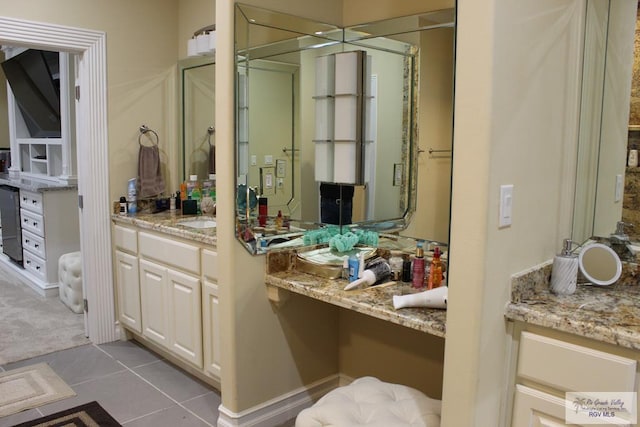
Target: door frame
{"points": [[92, 150]]}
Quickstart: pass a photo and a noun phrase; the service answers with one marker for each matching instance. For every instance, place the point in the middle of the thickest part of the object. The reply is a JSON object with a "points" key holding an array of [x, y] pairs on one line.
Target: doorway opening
{"points": [[92, 149]]}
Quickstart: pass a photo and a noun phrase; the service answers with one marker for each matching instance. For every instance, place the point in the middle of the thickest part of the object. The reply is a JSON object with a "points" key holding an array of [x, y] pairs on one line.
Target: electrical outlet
{"points": [[281, 168], [280, 183], [254, 160]]}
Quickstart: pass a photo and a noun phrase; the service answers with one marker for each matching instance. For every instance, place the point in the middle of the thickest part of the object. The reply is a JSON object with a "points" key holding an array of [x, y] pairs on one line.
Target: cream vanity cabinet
{"points": [[548, 364], [168, 293], [50, 228]]}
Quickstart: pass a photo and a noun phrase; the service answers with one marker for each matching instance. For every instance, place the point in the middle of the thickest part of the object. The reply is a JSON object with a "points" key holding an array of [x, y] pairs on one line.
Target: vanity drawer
{"points": [[125, 239], [570, 367], [35, 265], [170, 252], [31, 201], [34, 244], [210, 264], [32, 221]]}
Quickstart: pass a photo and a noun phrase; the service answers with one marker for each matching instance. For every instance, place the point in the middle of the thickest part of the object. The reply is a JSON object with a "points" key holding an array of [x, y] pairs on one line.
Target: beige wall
{"points": [[517, 75], [141, 56]]}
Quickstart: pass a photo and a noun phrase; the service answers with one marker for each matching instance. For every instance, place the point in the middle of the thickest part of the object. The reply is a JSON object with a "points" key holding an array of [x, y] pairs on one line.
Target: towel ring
{"points": [[210, 131], [144, 129]]}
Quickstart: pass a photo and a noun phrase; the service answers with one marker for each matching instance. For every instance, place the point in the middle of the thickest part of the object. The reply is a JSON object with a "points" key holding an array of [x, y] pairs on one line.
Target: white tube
{"points": [[433, 298]]}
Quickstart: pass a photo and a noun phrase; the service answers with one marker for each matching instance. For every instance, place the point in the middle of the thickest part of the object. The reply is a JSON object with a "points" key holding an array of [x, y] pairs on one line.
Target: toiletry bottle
{"points": [[564, 271], [418, 267], [633, 158], [183, 191], [406, 270], [377, 271], [263, 210], [345, 267], [123, 205], [435, 271], [191, 185], [354, 267], [279, 220], [395, 262]]}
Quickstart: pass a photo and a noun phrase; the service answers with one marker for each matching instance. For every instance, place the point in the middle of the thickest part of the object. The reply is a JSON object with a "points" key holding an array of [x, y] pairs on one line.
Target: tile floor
{"points": [[136, 386]]}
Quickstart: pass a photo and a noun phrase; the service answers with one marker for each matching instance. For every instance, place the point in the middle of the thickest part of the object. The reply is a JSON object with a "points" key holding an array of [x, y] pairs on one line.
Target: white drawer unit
{"points": [[34, 244], [50, 229], [31, 201], [35, 265], [32, 221], [125, 239]]}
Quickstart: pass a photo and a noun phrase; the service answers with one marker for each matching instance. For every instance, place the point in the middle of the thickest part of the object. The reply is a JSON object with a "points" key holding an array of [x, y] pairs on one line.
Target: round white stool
{"points": [[70, 281], [370, 402]]}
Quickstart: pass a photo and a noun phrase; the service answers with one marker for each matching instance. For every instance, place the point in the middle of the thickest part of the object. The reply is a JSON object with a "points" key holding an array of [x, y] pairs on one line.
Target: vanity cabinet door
{"points": [[185, 318], [154, 302], [211, 313], [128, 288], [535, 408], [211, 328]]}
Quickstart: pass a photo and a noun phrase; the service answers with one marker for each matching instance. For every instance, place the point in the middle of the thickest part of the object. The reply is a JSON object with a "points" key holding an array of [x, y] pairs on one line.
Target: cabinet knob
{"points": [[36, 246], [26, 240], [37, 267], [28, 262]]}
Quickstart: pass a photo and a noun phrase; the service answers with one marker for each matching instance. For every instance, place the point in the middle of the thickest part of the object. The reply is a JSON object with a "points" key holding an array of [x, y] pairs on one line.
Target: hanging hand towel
{"points": [[150, 181]]}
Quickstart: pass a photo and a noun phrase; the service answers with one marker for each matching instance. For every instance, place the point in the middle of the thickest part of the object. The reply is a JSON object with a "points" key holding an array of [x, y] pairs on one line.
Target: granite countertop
{"points": [[168, 222], [374, 301], [610, 314], [34, 184]]}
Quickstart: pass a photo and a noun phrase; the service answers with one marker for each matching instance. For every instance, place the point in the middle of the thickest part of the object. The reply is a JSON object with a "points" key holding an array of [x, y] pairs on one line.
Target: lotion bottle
{"points": [[418, 267], [564, 272], [435, 271]]}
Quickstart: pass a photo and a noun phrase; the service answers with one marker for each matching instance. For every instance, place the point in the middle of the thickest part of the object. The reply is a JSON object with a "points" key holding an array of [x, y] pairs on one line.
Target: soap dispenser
{"points": [[564, 272]]}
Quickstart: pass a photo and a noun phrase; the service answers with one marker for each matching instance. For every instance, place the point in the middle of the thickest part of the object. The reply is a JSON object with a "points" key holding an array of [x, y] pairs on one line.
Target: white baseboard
{"points": [[279, 410]]}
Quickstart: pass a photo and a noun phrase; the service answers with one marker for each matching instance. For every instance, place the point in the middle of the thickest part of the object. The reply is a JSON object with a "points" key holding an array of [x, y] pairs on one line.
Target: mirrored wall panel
{"points": [[327, 122]]}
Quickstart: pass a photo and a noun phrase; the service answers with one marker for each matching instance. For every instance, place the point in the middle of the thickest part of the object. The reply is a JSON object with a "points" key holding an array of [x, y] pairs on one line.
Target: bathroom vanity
{"points": [[167, 289], [587, 341]]}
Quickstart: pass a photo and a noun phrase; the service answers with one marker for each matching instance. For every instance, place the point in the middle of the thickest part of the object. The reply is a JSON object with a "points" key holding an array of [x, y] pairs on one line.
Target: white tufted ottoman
{"points": [[370, 402], [70, 281]]}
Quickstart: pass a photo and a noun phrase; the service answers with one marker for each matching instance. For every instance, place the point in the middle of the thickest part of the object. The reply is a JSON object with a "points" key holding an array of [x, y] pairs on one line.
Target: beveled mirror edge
{"points": [[398, 224]]}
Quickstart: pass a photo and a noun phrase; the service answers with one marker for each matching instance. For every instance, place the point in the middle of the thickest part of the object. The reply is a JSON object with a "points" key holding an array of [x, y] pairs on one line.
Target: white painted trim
{"points": [[280, 409], [92, 149]]}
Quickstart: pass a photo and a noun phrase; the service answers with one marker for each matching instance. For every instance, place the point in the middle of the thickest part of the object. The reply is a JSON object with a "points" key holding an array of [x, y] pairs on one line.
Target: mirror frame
{"points": [[354, 36]]}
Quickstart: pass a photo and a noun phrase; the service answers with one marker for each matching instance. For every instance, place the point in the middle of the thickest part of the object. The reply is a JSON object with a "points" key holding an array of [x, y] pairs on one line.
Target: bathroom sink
{"points": [[199, 223]]}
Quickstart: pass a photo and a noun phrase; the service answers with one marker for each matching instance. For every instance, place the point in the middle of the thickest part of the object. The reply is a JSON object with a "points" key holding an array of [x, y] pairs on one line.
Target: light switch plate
{"points": [[506, 205], [268, 159], [254, 160]]}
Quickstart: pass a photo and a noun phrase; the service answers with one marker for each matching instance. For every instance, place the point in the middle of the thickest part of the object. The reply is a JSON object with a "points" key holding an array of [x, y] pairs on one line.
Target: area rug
{"points": [[29, 387], [88, 415]]}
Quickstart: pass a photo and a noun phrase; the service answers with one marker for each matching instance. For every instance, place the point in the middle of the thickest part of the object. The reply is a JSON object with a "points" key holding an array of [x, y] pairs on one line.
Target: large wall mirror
{"points": [[197, 109], [606, 190], [327, 123]]}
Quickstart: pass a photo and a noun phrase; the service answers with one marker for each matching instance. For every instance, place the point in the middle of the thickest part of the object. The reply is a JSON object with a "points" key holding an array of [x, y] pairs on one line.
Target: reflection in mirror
{"points": [[198, 112], [604, 120], [318, 151]]}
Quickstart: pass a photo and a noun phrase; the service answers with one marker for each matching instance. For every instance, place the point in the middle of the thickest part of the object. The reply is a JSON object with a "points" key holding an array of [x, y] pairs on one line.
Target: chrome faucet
{"points": [[620, 237]]}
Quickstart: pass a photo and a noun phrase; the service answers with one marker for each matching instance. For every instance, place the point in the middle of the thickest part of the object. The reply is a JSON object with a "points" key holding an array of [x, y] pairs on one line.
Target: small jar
{"points": [[395, 262]]}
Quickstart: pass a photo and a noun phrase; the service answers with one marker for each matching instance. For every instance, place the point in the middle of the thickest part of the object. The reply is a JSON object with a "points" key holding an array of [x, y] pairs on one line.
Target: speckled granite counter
{"points": [[609, 314], [168, 222], [34, 185], [374, 301]]}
